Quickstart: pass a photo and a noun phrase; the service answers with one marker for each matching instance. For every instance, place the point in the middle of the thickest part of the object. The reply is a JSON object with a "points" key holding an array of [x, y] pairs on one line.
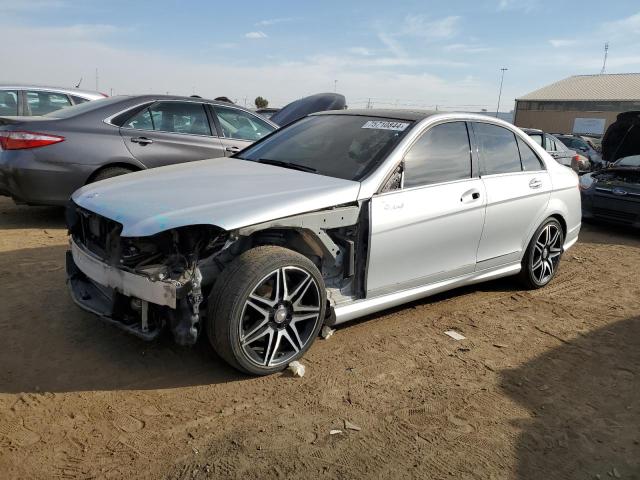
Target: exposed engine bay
{"points": [[149, 284], [618, 176]]}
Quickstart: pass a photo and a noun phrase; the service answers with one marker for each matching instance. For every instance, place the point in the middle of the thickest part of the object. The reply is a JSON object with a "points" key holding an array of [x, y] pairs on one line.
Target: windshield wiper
{"points": [[293, 166]]}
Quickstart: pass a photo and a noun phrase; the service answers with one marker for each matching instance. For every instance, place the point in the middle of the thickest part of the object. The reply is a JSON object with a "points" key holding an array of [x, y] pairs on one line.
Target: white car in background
{"points": [[333, 217], [29, 100]]}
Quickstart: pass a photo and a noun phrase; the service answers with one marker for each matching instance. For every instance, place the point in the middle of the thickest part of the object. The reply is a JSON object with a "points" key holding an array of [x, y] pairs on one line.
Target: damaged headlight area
{"points": [[146, 284]]}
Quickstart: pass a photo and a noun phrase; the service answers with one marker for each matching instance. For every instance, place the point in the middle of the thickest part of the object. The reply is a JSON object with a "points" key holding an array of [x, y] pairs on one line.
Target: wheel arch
{"points": [[134, 167]]}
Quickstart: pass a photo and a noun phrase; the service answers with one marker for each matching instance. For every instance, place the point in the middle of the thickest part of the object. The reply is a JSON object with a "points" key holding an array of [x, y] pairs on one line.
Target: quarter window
{"points": [[173, 117], [241, 125], [442, 154], [499, 149], [529, 159], [41, 103], [8, 102]]}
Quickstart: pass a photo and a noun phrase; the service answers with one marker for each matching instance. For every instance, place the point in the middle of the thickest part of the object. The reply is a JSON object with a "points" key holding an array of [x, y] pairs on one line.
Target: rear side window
{"points": [[529, 159], [536, 137], [442, 154], [8, 102], [173, 117], [78, 100], [241, 125], [551, 144], [41, 103], [498, 149]]}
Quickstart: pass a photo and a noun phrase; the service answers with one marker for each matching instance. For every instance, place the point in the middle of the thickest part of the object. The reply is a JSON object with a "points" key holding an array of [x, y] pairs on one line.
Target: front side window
{"points": [[8, 102], [442, 154], [173, 117], [529, 159], [41, 103], [341, 146], [498, 149], [241, 125]]}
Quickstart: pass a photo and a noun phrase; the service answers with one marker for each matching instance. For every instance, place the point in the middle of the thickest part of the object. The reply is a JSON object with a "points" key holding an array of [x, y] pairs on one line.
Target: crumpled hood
{"points": [[225, 192]]}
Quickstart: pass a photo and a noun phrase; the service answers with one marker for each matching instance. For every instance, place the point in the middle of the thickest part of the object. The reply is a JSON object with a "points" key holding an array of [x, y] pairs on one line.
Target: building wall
{"points": [[557, 121]]}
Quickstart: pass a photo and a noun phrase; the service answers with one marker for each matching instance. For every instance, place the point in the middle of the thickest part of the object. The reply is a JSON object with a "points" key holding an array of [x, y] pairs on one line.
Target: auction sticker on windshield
{"points": [[386, 125]]}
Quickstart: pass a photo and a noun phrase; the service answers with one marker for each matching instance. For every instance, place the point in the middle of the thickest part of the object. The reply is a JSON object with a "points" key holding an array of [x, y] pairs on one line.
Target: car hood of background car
{"points": [[622, 138], [224, 192]]}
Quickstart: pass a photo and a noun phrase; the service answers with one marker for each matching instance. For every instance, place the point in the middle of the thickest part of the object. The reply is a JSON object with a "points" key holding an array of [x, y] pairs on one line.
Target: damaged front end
{"points": [[143, 285]]}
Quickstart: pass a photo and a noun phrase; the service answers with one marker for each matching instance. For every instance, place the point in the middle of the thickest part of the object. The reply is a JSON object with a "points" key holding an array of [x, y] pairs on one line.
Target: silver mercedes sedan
{"points": [[336, 216]]}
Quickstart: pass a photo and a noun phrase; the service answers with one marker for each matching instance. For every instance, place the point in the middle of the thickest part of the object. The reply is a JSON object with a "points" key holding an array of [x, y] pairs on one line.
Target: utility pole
{"points": [[335, 86], [97, 79], [503, 69], [604, 63]]}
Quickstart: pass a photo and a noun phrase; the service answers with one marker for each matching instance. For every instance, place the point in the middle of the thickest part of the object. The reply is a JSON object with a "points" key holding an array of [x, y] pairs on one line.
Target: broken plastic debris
{"points": [[297, 369], [455, 335], [351, 426], [335, 432], [326, 332]]}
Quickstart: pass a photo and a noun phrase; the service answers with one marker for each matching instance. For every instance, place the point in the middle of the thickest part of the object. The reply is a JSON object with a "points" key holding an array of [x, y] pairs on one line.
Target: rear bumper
{"points": [[27, 179]]}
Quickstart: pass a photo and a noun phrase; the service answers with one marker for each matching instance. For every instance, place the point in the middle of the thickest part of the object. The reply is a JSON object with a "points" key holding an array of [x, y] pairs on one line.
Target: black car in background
{"points": [[44, 159], [613, 193], [582, 146]]}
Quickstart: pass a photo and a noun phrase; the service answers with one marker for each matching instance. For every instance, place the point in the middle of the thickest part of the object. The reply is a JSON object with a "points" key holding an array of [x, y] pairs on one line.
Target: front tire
{"points": [[542, 258], [266, 309]]}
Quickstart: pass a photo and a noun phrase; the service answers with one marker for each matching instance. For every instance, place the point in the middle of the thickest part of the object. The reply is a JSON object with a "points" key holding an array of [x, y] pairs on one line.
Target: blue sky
{"points": [[404, 53]]}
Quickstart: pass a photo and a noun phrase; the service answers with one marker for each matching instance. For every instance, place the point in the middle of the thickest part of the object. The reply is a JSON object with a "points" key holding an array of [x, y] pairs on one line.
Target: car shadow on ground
{"points": [[48, 344], [584, 396], [609, 234], [23, 216]]}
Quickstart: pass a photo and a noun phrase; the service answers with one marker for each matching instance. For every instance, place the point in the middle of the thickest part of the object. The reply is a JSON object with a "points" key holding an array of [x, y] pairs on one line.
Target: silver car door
{"points": [[171, 132], [239, 128], [429, 229], [516, 196]]}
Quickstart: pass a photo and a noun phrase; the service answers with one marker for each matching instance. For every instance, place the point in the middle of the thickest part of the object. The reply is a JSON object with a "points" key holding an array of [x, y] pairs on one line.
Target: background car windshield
{"points": [[632, 161], [342, 146], [83, 108]]}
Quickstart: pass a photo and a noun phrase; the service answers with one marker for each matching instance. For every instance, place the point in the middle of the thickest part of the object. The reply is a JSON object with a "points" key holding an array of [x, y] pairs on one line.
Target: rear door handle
{"points": [[470, 196], [535, 183], [142, 140], [232, 149]]}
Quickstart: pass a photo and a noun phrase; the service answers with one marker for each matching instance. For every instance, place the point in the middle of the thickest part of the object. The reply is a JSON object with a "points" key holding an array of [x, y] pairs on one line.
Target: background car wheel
{"points": [[110, 172], [266, 309], [542, 258]]}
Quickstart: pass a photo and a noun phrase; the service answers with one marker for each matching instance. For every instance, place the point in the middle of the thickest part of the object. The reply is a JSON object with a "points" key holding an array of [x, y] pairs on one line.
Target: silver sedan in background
{"points": [[331, 218]]}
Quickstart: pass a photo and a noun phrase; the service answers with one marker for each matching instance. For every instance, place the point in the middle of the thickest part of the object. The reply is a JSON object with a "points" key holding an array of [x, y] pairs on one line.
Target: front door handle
{"points": [[232, 149], [535, 183], [470, 196], [142, 140]]}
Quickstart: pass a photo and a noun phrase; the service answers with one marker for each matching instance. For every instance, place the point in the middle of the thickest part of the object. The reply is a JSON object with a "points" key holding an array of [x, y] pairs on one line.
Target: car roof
{"points": [[68, 91], [529, 131], [398, 114]]}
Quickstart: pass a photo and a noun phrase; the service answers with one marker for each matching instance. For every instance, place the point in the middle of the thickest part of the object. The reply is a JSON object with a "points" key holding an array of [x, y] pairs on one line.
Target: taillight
{"points": [[20, 140]]}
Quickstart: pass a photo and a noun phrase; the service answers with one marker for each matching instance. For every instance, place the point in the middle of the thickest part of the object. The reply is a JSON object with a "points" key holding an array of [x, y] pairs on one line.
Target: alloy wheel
{"points": [[546, 253], [279, 316]]}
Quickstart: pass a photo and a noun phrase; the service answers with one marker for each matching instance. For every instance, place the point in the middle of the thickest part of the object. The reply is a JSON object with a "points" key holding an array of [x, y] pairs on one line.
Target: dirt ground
{"points": [[545, 386]]}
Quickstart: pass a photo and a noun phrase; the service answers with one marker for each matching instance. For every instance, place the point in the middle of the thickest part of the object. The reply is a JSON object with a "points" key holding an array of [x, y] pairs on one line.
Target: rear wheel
{"points": [[110, 172], [266, 309], [542, 258]]}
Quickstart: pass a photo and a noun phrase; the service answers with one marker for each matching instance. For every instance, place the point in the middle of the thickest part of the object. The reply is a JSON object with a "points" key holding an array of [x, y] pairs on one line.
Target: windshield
{"points": [[342, 146], [631, 161], [83, 107]]}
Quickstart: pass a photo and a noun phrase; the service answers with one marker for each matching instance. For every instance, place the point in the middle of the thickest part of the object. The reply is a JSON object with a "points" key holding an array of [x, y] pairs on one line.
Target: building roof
{"points": [[618, 86]]}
